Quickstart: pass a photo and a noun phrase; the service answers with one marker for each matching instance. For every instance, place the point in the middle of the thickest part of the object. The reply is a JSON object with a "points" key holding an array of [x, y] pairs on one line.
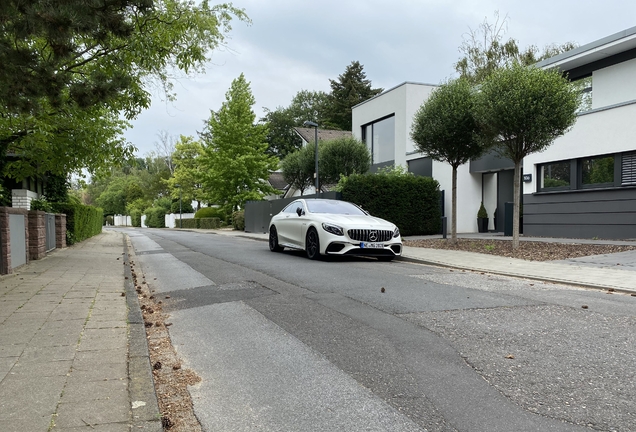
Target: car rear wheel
{"points": [[312, 244], [273, 240]]}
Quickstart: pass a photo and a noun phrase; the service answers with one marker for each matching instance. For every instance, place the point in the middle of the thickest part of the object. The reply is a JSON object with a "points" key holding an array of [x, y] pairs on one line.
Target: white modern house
{"points": [[584, 185]]}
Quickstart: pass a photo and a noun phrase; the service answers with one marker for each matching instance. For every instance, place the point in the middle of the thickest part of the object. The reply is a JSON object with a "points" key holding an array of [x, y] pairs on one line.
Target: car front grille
{"points": [[366, 235]]}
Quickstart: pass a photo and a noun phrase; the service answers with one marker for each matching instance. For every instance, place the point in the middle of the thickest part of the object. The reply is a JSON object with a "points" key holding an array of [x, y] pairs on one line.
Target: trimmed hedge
{"points": [[211, 212], [135, 217], [238, 220], [410, 202], [155, 217], [82, 221], [203, 223]]}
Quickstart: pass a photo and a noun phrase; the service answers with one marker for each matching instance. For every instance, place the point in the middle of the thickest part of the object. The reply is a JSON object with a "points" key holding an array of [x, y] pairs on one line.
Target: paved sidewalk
{"points": [[581, 273], [64, 337]]}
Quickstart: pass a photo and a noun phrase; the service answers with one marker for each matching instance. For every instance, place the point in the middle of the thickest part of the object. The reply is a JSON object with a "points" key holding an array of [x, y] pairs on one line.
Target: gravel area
{"points": [[567, 363], [532, 251]]}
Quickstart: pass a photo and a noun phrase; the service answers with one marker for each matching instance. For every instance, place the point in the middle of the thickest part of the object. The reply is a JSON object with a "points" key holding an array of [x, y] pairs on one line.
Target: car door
{"points": [[289, 225]]}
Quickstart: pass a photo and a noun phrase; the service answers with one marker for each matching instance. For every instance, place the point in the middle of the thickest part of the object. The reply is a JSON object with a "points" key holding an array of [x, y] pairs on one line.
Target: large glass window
{"points": [[380, 139], [597, 171], [555, 175]]}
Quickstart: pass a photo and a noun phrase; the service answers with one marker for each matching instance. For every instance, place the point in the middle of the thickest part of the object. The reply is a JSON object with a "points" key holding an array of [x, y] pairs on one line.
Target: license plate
{"points": [[372, 245]]}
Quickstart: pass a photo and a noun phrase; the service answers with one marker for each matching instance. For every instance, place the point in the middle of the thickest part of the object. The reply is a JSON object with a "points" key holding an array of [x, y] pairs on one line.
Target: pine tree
{"points": [[351, 88], [235, 164]]}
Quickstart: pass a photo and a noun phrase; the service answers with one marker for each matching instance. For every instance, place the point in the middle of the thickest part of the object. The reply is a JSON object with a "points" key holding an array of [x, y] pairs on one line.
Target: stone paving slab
{"points": [[64, 336]]}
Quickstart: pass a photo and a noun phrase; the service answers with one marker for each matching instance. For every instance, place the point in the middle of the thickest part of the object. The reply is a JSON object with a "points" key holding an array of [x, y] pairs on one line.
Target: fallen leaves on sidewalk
{"points": [[531, 251]]}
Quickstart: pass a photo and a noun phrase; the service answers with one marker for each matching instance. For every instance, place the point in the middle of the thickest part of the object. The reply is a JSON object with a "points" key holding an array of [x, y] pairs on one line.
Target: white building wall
{"points": [[468, 195], [402, 101], [21, 198], [614, 84], [121, 220], [594, 134]]}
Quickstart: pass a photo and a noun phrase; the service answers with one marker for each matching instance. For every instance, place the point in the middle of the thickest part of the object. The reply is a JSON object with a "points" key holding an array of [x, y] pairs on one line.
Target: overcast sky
{"points": [[295, 45]]}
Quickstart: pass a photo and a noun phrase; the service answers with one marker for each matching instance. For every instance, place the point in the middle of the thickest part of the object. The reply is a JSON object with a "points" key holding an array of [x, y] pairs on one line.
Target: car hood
{"points": [[357, 221]]}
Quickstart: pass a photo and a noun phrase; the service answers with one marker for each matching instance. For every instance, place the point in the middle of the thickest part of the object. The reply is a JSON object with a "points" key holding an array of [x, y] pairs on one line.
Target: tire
{"points": [[273, 240], [385, 258], [312, 244]]}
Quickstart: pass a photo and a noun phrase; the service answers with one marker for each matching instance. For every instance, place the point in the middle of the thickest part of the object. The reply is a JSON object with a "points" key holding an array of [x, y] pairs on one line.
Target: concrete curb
{"points": [[141, 384]]}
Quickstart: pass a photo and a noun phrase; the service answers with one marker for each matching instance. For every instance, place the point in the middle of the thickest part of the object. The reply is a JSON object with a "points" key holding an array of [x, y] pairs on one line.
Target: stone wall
{"points": [[35, 235]]}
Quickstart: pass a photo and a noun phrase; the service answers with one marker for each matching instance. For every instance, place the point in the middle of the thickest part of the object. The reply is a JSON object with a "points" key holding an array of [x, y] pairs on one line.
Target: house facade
{"points": [[583, 185]]}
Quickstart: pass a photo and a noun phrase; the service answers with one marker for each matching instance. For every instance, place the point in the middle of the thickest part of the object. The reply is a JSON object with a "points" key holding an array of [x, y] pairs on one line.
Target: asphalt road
{"points": [[287, 344]]}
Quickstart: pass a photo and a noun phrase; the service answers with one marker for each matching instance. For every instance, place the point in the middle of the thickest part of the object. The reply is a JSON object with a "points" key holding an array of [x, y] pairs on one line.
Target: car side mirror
{"points": [[300, 211]]}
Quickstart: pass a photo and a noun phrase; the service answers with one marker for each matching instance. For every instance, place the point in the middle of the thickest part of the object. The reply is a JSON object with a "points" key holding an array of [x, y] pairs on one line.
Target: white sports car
{"points": [[332, 227]]}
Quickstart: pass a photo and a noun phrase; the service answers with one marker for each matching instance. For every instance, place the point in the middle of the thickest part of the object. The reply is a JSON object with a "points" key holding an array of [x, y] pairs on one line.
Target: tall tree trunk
{"points": [[515, 213], [454, 208]]}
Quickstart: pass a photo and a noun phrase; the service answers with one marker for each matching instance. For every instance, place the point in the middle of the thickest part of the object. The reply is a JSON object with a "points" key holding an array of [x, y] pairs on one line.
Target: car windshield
{"points": [[333, 207]]}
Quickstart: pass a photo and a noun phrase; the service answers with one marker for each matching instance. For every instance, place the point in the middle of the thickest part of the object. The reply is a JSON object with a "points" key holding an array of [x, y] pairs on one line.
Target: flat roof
{"points": [[393, 88], [594, 51]]}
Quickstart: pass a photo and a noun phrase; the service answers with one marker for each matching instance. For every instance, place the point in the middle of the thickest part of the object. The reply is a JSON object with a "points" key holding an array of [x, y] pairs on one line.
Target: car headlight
{"points": [[333, 229], [396, 232]]}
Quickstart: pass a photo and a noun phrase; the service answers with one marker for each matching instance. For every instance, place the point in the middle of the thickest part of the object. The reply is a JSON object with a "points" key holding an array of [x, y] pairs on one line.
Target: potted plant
{"points": [[482, 219]]}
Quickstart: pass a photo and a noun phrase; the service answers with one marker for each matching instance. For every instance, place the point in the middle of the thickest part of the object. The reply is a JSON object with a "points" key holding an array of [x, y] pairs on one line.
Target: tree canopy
{"points": [[445, 129], [351, 88], [342, 157], [187, 174], [235, 165], [71, 67], [525, 109], [485, 50]]}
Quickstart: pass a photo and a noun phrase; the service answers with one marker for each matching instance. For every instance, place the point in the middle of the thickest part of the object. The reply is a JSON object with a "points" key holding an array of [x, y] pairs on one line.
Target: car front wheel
{"points": [[312, 244], [273, 240]]}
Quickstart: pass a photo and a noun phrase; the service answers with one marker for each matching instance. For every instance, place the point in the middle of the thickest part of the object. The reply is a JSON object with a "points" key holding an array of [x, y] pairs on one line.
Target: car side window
{"points": [[291, 208]]}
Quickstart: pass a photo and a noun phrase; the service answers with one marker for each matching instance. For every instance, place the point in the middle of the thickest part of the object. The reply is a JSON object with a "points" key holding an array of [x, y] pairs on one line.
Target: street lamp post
{"points": [[315, 126], [180, 212]]}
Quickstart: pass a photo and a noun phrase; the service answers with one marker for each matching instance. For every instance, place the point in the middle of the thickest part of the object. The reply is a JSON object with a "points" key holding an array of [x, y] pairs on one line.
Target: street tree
{"points": [[445, 129], [525, 109], [235, 164], [351, 88], [187, 172], [342, 157], [298, 168]]}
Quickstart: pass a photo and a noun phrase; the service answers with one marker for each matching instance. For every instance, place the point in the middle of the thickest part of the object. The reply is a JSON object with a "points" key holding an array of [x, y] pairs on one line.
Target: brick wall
{"points": [[37, 234], [60, 231]]}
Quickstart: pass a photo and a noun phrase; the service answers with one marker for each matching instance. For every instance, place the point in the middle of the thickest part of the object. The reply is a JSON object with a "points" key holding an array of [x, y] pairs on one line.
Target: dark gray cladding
{"points": [[607, 213]]}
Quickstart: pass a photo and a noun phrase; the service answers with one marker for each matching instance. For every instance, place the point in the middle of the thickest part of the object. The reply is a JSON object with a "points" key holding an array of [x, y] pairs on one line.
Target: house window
{"points": [[555, 175], [597, 171], [379, 137]]}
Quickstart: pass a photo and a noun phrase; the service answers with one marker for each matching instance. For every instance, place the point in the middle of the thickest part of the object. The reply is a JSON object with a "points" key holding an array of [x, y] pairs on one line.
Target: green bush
{"points": [[186, 207], [109, 220], [238, 220], [211, 212], [42, 205], [482, 213], [203, 223], [410, 202], [135, 217], [82, 221], [156, 217]]}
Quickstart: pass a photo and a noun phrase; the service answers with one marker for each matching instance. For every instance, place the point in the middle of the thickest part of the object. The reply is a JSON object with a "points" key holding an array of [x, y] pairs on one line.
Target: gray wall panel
{"points": [[491, 161], [609, 213]]}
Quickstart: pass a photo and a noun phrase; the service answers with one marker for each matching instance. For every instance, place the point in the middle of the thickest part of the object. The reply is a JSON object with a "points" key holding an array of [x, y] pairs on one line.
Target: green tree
{"points": [[342, 157], [526, 109], [187, 171], [351, 88], [305, 106], [485, 50], [445, 129], [71, 67], [235, 164], [298, 168]]}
